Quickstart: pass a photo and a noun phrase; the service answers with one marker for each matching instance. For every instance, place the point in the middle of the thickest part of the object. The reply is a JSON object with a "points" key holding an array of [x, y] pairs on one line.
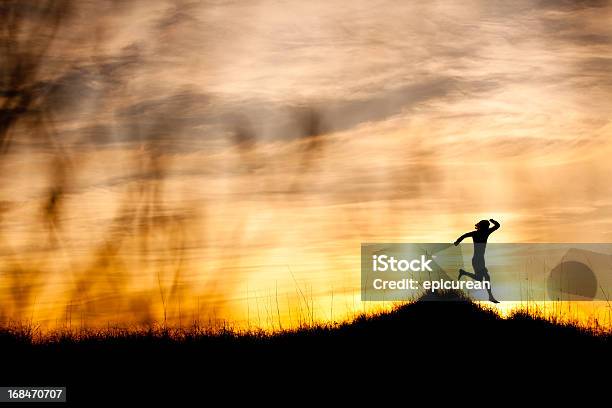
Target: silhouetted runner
{"points": [[481, 273]]}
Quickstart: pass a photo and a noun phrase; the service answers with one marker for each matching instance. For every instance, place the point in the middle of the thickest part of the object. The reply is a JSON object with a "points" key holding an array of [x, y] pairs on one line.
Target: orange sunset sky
{"points": [[224, 160]]}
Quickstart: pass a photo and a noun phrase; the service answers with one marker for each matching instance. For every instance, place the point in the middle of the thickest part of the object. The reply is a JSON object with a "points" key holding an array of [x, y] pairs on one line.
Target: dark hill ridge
{"points": [[428, 335]]}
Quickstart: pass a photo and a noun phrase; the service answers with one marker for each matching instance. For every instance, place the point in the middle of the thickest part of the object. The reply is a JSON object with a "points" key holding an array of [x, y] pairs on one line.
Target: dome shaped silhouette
{"points": [[571, 280]]}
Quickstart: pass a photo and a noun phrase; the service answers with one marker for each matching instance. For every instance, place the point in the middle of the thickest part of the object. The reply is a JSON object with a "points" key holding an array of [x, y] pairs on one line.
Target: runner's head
{"points": [[482, 225]]}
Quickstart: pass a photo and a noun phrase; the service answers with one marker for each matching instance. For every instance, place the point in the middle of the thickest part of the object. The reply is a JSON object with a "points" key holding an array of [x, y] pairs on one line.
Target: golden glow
{"points": [[223, 162]]}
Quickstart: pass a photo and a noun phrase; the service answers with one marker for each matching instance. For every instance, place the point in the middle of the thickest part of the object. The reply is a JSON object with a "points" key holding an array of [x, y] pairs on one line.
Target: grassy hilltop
{"points": [[428, 335]]}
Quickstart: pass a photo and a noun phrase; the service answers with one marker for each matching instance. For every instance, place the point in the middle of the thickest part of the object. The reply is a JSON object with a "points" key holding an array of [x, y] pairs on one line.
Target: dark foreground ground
{"points": [[431, 344]]}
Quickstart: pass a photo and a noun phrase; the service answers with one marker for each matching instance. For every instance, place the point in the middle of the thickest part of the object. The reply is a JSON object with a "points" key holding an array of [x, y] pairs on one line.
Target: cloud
{"points": [[571, 5]]}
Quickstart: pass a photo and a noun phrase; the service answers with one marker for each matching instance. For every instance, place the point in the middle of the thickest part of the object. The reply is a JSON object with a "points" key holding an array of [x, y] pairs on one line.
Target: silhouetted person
{"points": [[481, 273]]}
